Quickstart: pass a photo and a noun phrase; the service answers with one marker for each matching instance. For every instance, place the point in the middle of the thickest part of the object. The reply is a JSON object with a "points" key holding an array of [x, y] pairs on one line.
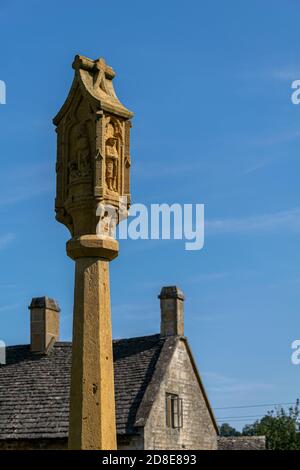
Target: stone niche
{"points": [[93, 141]]}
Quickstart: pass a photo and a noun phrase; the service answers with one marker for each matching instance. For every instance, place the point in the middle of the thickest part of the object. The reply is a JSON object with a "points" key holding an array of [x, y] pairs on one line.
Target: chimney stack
{"points": [[44, 324], [172, 311]]}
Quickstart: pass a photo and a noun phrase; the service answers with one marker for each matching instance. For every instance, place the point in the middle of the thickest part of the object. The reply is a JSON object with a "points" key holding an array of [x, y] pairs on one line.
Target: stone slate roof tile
{"points": [[34, 389], [242, 443]]}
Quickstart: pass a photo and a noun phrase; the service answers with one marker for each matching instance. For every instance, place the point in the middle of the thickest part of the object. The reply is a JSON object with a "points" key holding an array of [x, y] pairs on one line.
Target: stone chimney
{"points": [[44, 324], [172, 311]]}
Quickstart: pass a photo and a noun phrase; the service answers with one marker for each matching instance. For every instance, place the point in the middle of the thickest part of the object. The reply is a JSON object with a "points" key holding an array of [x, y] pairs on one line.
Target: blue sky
{"points": [[210, 86]]}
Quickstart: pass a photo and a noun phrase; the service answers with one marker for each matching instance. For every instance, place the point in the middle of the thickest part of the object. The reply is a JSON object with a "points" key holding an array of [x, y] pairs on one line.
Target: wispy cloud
{"points": [[6, 308], [214, 276], [211, 321], [6, 239], [269, 140], [219, 383], [8, 286], [24, 195], [288, 220], [150, 170], [284, 72], [257, 166], [24, 183], [276, 138], [134, 311]]}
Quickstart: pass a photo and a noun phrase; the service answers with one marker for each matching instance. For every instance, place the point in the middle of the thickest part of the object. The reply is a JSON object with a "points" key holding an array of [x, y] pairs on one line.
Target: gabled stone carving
{"points": [[93, 148]]}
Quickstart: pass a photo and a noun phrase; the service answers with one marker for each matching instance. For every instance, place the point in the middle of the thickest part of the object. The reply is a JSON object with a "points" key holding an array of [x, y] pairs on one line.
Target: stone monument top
{"points": [[93, 141]]}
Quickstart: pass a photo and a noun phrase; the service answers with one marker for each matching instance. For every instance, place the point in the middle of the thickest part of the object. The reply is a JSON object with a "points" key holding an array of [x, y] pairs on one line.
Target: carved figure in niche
{"points": [[83, 151], [81, 165], [73, 168], [111, 159]]}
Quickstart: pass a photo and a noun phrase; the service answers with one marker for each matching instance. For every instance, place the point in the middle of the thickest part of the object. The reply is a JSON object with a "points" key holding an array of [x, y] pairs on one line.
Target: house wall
{"points": [[127, 442], [198, 431]]}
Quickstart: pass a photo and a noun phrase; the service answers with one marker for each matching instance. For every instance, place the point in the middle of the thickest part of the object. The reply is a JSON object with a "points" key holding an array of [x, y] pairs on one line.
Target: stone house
{"points": [[160, 399]]}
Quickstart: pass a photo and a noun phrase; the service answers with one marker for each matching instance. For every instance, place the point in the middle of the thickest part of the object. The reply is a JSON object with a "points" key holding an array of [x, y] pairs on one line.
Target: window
{"points": [[173, 411]]}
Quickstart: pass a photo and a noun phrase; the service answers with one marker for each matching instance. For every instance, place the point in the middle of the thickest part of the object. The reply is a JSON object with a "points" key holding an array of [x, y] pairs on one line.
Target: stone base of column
{"points": [[92, 423]]}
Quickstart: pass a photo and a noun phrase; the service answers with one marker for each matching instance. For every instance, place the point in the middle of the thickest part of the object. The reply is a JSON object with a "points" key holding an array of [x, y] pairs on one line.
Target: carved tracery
{"points": [[93, 159]]}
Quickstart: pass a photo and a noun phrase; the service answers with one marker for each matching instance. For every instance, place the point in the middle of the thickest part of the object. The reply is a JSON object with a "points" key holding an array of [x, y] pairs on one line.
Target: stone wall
{"points": [[126, 442], [33, 444], [198, 431]]}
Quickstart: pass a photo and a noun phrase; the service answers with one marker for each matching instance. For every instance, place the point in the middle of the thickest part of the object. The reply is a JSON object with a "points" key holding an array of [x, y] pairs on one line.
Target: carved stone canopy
{"points": [[93, 148]]}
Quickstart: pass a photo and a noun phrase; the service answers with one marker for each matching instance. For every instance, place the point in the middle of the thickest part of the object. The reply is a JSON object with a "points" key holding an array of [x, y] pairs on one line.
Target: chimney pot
{"points": [[172, 311], [44, 324]]}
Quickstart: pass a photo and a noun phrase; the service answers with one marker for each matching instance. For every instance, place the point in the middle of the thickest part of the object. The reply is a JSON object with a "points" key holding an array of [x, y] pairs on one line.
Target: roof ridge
{"points": [[67, 343], [156, 335]]}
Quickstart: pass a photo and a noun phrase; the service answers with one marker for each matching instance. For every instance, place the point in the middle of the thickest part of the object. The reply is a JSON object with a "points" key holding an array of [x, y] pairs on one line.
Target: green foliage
{"points": [[281, 428], [226, 431]]}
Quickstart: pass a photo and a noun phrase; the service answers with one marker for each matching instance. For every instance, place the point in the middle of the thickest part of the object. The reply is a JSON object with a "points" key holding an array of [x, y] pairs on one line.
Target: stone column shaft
{"points": [[92, 403]]}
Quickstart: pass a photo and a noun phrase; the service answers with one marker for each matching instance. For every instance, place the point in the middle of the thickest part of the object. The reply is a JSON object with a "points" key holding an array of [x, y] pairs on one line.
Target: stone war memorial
{"points": [[93, 172]]}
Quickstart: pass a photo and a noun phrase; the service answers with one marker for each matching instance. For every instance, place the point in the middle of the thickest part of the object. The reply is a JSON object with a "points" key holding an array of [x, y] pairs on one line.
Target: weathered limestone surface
{"points": [[44, 324], [92, 410], [93, 148], [172, 311]]}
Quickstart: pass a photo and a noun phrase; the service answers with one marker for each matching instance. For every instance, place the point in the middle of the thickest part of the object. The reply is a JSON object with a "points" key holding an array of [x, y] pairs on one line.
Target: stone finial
{"points": [[93, 142], [172, 311], [44, 324]]}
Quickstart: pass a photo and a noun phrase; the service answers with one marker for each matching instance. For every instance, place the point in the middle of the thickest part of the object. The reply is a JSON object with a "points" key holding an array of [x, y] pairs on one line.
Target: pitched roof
{"points": [[34, 389], [242, 443]]}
